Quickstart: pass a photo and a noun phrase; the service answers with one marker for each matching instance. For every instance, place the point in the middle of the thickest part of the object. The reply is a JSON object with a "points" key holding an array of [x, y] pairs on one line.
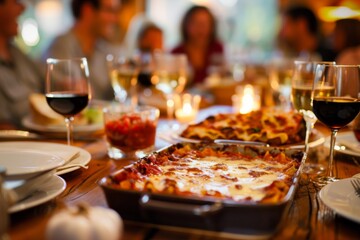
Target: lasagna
{"points": [[227, 172], [275, 128]]}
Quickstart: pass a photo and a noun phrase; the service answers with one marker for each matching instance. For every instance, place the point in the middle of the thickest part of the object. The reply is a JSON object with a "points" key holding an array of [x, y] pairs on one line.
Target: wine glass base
{"points": [[322, 181], [313, 168], [117, 154]]}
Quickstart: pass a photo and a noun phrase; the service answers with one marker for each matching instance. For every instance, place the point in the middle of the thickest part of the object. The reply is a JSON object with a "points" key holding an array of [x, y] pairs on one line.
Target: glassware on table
{"points": [[145, 69], [123, 72], [336, 102], [281, 72], [170, 77], [3, 206], [302, 83], [356, 127], [67, 88], [130, 131]]}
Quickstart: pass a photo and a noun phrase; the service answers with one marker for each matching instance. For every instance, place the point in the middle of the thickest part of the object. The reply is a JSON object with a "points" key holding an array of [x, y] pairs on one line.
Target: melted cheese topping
{"points": [[240, 179], [262, 125]]}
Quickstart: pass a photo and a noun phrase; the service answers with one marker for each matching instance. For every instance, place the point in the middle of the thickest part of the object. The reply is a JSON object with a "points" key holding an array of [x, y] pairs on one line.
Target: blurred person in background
{"points": [[200, 43], [19, 76], [300, 35], [347, 41], [144, 38], [149, 41], [150, 38], [91, 36]]}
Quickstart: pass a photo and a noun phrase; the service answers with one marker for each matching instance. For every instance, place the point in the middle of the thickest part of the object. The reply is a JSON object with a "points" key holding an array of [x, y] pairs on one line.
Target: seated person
{"points": [[347, 41], [150, 38], [19, 76], [299, 35], [199, 42], [90, 37]]}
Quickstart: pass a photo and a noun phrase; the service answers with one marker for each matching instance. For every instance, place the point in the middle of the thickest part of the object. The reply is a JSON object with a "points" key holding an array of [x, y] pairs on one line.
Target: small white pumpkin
{"points": [[83, 222]]}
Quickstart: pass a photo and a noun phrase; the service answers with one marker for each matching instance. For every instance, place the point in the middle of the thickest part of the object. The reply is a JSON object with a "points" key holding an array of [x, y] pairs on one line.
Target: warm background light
{"points": [[30, 32]]}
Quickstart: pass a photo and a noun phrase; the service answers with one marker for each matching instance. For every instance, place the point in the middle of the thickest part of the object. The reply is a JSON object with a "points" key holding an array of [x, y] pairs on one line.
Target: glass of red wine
{"points": [[335, 102], [67, 88]]}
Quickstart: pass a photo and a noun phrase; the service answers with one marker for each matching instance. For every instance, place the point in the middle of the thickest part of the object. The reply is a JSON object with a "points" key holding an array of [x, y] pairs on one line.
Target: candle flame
{"points": [[246, 99]]}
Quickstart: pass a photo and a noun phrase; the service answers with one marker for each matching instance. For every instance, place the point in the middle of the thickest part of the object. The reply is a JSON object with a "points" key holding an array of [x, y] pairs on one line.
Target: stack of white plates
{"points": [[32, 170]]}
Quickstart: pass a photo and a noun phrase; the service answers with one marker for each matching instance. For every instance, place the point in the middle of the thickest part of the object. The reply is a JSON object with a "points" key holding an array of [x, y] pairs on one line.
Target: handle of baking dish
{"points": [[194, 209], [230, 141]]}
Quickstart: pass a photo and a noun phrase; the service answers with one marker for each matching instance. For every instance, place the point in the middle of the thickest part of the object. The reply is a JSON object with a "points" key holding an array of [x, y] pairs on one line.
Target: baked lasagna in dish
{"points": [[226, 172], [270, 126]]}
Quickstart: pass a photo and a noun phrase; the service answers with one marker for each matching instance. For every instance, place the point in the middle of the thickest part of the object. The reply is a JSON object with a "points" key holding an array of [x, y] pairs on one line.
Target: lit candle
{"points": [[246, 100], [188, 108]]}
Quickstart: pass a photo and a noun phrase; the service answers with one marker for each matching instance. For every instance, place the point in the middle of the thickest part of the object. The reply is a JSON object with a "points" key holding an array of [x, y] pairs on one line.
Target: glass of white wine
{"points": [[170, 77], [123, 73], [302, 85], [280, 73]]}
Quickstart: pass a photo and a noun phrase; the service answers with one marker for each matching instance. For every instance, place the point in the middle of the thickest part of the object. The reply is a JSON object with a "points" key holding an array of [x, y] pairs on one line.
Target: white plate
{"points": [[44, 193], [29, 124], [27, 161], [340, 197], [51, 148], [345, 136], [89, 128]]}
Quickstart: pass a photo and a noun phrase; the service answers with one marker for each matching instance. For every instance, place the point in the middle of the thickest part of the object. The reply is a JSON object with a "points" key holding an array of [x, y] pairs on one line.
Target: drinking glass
{"points": [[130, 131], [302, 83], [123, 72], [336, 102], [67, 88], [170, 77], [281, 72]]}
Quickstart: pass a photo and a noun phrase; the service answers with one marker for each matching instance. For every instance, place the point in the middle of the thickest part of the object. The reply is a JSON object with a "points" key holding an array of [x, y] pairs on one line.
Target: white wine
{"points": [[123, 82], [169, 83], [285, 77], [301, 95]]}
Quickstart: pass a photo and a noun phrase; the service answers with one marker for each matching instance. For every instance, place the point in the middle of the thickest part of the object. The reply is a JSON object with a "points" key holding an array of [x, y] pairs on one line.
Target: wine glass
{"points": [[302, 83], [280, 73], [170, 77], [336, 102], [123, 72], [67, 88]]}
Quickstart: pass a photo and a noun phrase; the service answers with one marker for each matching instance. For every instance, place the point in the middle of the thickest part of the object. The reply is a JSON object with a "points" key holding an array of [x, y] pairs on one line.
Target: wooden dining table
{"points": [[308, 217]]}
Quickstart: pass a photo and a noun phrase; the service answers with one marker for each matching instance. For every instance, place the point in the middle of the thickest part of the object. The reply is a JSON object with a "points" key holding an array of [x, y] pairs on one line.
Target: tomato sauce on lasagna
{"points": [[242, 174]]}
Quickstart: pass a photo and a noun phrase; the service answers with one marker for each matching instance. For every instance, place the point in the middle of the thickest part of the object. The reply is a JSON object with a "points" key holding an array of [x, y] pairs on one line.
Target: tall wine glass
{"points": [[302, 83], [123, 72], [170, 77], [67, 88], [335, 102], [280, 73]]}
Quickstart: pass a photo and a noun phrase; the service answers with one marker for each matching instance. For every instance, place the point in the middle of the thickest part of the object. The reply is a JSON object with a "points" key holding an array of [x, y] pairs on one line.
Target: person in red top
{"points": [[200, 43]]}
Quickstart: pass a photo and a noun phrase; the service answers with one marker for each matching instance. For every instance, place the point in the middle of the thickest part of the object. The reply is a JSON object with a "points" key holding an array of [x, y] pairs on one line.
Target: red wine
{"points": [[144, 78], [67, 104], [336, 112]]}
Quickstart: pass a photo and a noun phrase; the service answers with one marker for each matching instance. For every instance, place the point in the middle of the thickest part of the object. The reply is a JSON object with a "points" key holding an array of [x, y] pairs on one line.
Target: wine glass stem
{"points": [[309, 126], [330, 170], [170, 106], [69, 130]]}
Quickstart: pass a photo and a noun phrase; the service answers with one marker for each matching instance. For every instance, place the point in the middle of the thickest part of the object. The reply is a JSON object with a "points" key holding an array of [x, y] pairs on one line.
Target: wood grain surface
{"points": [[308, 218]]}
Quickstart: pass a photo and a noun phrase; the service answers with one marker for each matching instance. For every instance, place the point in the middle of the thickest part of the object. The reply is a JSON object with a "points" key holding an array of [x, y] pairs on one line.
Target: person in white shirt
{"points": [[90, 37], [19, 75]]}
